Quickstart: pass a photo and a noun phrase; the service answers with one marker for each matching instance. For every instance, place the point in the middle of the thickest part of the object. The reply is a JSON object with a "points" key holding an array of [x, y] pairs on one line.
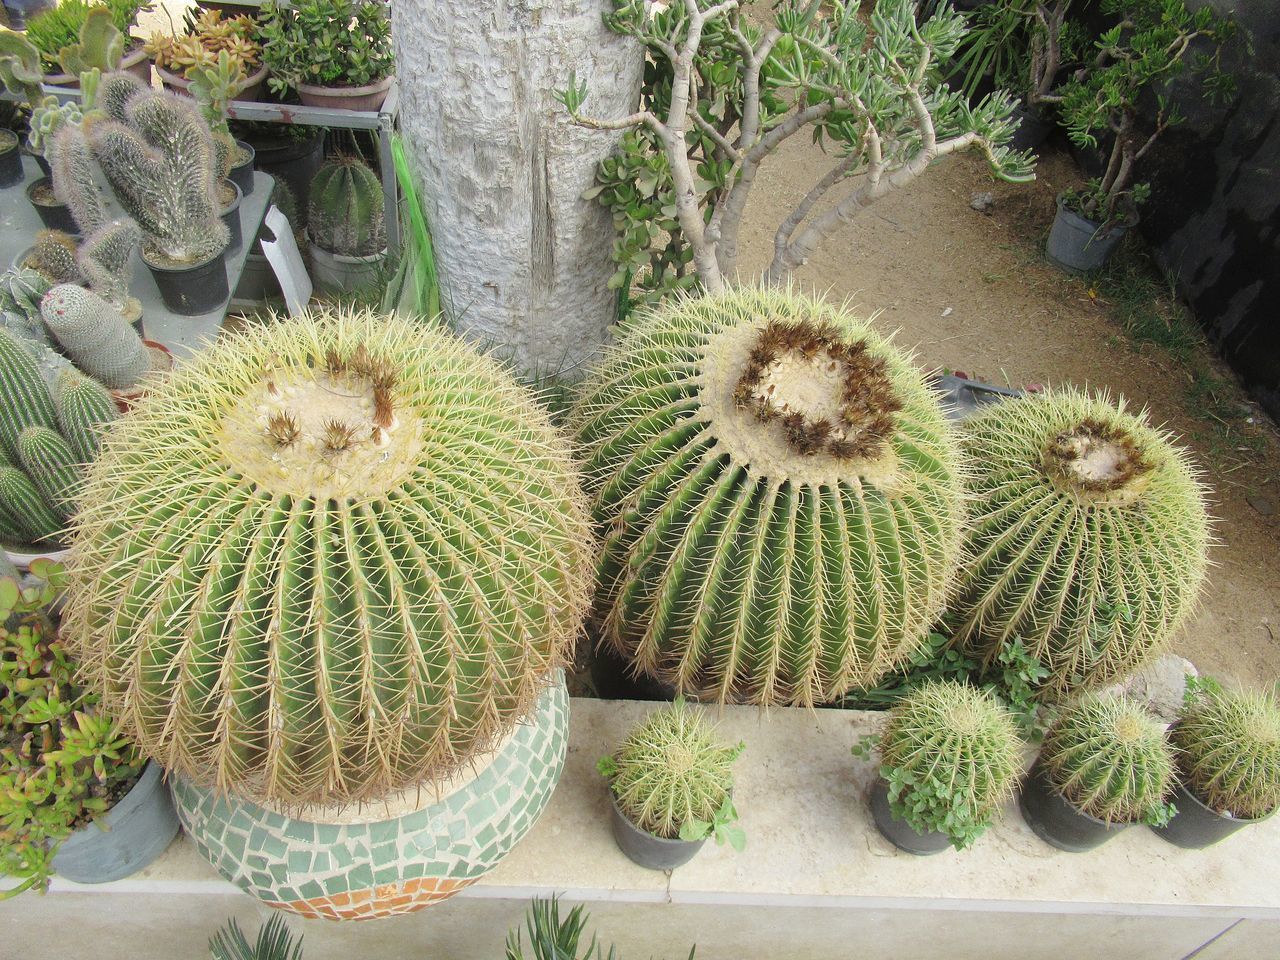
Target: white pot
{"points": [[336, 273]]}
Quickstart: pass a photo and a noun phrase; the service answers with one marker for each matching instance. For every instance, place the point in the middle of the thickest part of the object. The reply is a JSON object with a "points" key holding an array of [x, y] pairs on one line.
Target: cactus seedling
{"points": [[1229, 752], [96, 336], [346, 209]]}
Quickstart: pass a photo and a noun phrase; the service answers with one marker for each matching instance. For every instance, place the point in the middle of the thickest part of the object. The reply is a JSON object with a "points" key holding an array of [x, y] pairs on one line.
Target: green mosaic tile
{"points": [[312, 889], [299, 862], [387, 872], [299, 830], [386, 831]]}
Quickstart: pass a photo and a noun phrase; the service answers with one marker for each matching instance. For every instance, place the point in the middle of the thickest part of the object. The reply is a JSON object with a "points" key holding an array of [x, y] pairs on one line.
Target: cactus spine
{"points": [[105, 259], [1229, 752], [72, 166], [346, 215], [25, 507], [55, 255], [52, 466], [779, 493], [25, 397], [84, 409], [95, 335], [1087, 541]]}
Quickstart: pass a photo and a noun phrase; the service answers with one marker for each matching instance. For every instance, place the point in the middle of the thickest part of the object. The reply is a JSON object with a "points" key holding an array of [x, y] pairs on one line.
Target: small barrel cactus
{"points": [[55, 255], [24, 398], [1110, 759], [1229, 752], [779, 493], [1087, 540], [96, 336], [53, 467], [346, 209], [348, 549], [84, 409]]}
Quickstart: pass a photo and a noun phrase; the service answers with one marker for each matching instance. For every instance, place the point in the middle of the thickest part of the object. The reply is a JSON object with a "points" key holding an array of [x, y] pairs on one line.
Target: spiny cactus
{"points": [[25, 508], [96, 336], [55, 254], [24, 398], [779, 493], [51, 464], [346, 215], [84, 409], [1229, 752], [328, 621], [106, 260], [1111, 760], [671, 771], [21, 291], [115, 90], [1087, 540], [72, 166]]}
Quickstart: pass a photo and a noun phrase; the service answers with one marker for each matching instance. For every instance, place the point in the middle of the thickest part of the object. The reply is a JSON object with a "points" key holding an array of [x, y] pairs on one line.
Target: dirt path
{"points": [[971, 291]]}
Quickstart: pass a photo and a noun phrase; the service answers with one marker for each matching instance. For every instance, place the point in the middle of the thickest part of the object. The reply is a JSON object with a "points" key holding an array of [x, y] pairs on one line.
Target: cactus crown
{"points": [[328, 622], [1110, 759], [346, 208], [671, 771], [1087, 541], [781, 494], [1229, 752]]}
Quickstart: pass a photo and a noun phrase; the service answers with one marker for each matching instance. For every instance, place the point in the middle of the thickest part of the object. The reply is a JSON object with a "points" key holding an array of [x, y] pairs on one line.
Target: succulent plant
{"points": [[1110, 759], [21, 291], [55, 255], [84, 409], [105, 261], [1229, 751], [378, 542], [101, 45], [72, 166], [96, 336], [1087, 539], [779, 493], [208, 35], [20, 68], [47, 118], [951, 755], [346, 215], [672, 776]]}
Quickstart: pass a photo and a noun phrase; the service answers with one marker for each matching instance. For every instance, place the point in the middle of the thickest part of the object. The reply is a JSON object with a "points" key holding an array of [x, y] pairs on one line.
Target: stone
{"points": [[1160, 684], [983, 202], [1262, 505]]}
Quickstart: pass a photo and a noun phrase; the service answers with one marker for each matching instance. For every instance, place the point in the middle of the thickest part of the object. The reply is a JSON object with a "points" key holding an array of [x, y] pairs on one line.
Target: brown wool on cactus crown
{"points": [[1098, 460]]}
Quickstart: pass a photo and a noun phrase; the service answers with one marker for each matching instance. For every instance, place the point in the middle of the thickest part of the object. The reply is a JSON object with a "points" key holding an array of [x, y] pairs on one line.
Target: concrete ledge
{"points": [[816, 879]]}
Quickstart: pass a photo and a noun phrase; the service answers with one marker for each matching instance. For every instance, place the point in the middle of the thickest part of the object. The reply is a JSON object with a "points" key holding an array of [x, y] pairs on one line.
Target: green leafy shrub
{"points": [[1229, 751], [326, 43]]}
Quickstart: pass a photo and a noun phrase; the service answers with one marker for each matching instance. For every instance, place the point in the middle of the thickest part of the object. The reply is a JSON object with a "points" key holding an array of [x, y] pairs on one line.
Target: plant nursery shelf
{"points": [[815, 881]]}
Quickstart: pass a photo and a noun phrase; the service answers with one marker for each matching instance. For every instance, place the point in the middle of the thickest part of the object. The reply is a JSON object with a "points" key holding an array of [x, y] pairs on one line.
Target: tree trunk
{"points": [[523, 260]]}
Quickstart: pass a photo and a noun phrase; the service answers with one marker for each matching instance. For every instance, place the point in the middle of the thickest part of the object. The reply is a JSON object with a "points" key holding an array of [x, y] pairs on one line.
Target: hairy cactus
{"points": [[105, 260], [21, 291], [95, 335], [71, 163], [1087, 540], [779, 493], [51, 464], [1111, 760], [25, 507], [671, 772], [345, 214], [1229, 752], [24, 398], [84, 409], [56, 255], [348, 549], [115, 90]]}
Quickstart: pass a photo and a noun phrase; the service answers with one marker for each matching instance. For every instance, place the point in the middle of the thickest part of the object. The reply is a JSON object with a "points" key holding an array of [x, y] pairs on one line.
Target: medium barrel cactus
{"points": [[329, 558], [346, 215], [1229, 752], [779, 495], [1087, 540]]}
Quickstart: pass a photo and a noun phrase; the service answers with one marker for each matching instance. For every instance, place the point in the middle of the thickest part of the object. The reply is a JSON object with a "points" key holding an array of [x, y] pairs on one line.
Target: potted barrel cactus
{"points": [[1106, 764], [345, 227], [671, 783], [1228, 763], [380, 547], [1087, 537], [779, 495]]}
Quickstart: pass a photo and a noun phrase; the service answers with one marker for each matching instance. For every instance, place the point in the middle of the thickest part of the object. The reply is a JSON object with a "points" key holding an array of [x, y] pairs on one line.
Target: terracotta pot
{"points": [[366, 98], [250, 92]]}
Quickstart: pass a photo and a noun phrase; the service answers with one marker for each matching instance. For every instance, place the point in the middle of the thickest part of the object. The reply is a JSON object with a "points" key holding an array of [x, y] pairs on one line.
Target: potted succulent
{"points": [[205, 38], [335, 53], [671, 787], [345, 227], [65, 36], [214, 87], [950, 755], [1228, 763], [76, 798], [1105, 765], [410, 569]]}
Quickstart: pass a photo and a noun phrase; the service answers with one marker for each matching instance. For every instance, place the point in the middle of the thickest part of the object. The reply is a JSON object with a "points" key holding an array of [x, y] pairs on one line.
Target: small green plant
{"points": [[326, 43], [60, 27], [1229, 750], [673, 778], [551, 938], [274, 942], [1111, 760], [206, 38], [346, 215]]}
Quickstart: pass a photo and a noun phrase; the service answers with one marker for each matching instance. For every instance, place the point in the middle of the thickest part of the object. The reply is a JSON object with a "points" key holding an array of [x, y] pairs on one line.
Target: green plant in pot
{"points": [[214, 86], [207, 37], [345, 226], [381, 550], [334, 53], [69, 38], [1228, 746], [671, 783], [950, 755], [1105, 765]]}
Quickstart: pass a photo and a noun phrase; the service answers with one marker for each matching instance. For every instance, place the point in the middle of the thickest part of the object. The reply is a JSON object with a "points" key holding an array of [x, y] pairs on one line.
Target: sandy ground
{"points": [[972, 291]]}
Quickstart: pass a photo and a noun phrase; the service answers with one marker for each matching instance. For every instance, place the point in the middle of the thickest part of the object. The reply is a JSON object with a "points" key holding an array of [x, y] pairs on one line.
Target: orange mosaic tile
{"points": [[385, 900]]}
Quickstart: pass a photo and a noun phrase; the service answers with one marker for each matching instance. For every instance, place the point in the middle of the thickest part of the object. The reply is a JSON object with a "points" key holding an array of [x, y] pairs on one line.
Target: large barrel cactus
{"points": [[1087, 540], [330, 558], [779, 497]]}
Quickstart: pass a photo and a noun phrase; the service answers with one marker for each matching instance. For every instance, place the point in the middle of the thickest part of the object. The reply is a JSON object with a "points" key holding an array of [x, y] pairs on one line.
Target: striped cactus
{"points": [[779, 495], [25, 508], [346, 215], [84, 408], [25, 397], [52, 466], [346, 551]]}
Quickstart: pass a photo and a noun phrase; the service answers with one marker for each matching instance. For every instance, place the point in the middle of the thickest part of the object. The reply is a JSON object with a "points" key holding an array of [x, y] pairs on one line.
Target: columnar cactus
{"points": [[1229, 752], [53, 467], [1087, 540], [106, 260], [72, 166], [348, 549], [24, 506], [24, 398], [115, 90], [779, 494], [84, 409], [95, 335], [346, 215]]}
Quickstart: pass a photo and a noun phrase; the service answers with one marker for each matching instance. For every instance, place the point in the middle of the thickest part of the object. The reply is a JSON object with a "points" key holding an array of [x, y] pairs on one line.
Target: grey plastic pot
{"points": [[137, 830], [900, 833], [336, 273], [643, 848], [1196, 826], [1078, 245], [1055, 821], [257, 281]]}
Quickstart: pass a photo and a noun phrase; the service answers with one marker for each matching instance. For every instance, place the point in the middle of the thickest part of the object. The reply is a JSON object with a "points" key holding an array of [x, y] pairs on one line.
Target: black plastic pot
{"points": [[192, 290], [1056, 821], [643, 848], [614, 680], [1033, 128], [242, 173], [1079, 245], [55, 216], [10, 159], [231, 217], [1196, 826], [295, 162], [900, 833]]}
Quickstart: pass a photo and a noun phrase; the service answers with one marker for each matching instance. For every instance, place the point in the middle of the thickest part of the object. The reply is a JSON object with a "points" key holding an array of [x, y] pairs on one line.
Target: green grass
{"points": [[1144, 305]]}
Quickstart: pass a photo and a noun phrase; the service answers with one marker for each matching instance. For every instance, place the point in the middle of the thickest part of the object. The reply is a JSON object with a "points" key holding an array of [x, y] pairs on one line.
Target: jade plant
{"points": [[779, 494], [673, 778], [1087, 538], [1110, 759], [951, 756], [346, 215], [371, 531], [1229, 751], [326, 43], [64, 762]]}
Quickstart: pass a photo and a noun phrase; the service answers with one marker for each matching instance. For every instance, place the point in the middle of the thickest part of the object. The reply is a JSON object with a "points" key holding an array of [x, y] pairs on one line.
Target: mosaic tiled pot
{"points": [[355, 867]]}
